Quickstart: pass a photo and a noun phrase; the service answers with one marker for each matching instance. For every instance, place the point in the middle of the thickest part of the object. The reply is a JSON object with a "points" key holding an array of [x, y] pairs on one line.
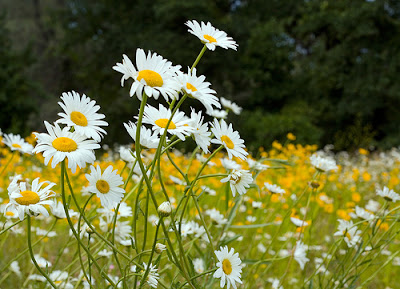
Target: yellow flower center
{"points": [[346, 234], [64, 144], [228, 142], [191, 87], [79, 118], [151, 77], [28, 198], [102, 186], [15, 145], [209, 38], [162, 122], [10, 214], [227, 266]]}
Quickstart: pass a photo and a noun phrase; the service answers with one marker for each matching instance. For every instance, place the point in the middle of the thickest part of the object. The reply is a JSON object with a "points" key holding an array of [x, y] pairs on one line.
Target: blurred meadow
{"points": [[199, 144]]}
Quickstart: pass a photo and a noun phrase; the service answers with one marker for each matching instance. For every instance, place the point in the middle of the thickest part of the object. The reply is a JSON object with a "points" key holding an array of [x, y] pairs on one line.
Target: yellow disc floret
{"points": [[151, 77], [162, 122], [15, 145], [64, 144], [102, 186], [79, 118], [227, 266], [190, 86], [209, 38], [28, 198], [228, 142]]}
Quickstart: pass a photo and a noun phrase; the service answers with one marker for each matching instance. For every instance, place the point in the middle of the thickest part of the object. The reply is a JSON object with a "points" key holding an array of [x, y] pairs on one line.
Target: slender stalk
{"points": [[146, 273], [9, 161], [199, 57], [77, 237], [14, 224], [33, 256]]}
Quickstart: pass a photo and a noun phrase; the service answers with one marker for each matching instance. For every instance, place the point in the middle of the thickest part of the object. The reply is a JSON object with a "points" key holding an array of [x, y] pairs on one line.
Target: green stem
{"points": [[33, 256], [199, 57], [9, 161], [16, 223]]}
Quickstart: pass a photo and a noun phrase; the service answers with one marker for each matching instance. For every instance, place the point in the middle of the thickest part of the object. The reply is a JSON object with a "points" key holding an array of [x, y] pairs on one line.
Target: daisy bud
{"points": [[160, 247], [165, 209]]}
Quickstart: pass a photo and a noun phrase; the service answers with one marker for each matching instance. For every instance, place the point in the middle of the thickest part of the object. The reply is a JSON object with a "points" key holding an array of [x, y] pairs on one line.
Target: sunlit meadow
{"points": [[147, 215]]}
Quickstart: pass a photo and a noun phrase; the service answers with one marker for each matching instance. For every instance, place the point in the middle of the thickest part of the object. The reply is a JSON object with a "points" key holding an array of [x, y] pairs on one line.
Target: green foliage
{"points": [[339, 58]]}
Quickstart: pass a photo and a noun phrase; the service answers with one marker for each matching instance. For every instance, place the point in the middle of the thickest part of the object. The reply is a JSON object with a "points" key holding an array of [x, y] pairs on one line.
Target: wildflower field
{"points": [[147, 215]]}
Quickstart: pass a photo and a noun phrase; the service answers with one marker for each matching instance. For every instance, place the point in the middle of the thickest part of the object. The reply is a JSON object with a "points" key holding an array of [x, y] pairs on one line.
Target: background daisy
{"points": [[154, 75], [106, 186], [81, 113], [59, 144], [230, 139], [211, 36]]}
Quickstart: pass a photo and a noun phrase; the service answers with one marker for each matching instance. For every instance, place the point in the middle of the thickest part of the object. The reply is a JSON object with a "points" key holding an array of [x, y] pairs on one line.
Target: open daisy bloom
{"points": [[81, 114], [148, 138], [229, 268], [196, 87], [200, 130], [239, 181], [30, 200], [211, 36], [230, 139], [106, 186], [59, 144], [153, 74], [16, 143], [159, 120]]}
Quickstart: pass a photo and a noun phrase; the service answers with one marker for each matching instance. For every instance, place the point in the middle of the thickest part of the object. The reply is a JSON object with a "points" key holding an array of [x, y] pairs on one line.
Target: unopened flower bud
{"points": [[165, 209], [160, 247]]}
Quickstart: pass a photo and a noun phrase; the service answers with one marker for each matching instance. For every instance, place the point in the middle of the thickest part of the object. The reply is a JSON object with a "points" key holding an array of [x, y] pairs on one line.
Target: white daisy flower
{"points": [[211, 36], [364, 214], [256, 166], [230, 139], [239, 181], [349, 231], [274, 189], [200, 131], [14, 267], [42, 262], [59, 144], [123, 231], [300, 254], [198, 265], [104, 253], [154, 75], [29, 200], [158, 118], [208, 190], [126, 154], [323, 164], [82, 115], [298, 223], [229, 268], [106, 186], [148, 138], [58, 211], [196, 87], [216, 216], [124, 211], [388, 194], [372, 206], [16, 143], [220, 114], [230, 164], [153, 276], [231, 105], [61, 279]]}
